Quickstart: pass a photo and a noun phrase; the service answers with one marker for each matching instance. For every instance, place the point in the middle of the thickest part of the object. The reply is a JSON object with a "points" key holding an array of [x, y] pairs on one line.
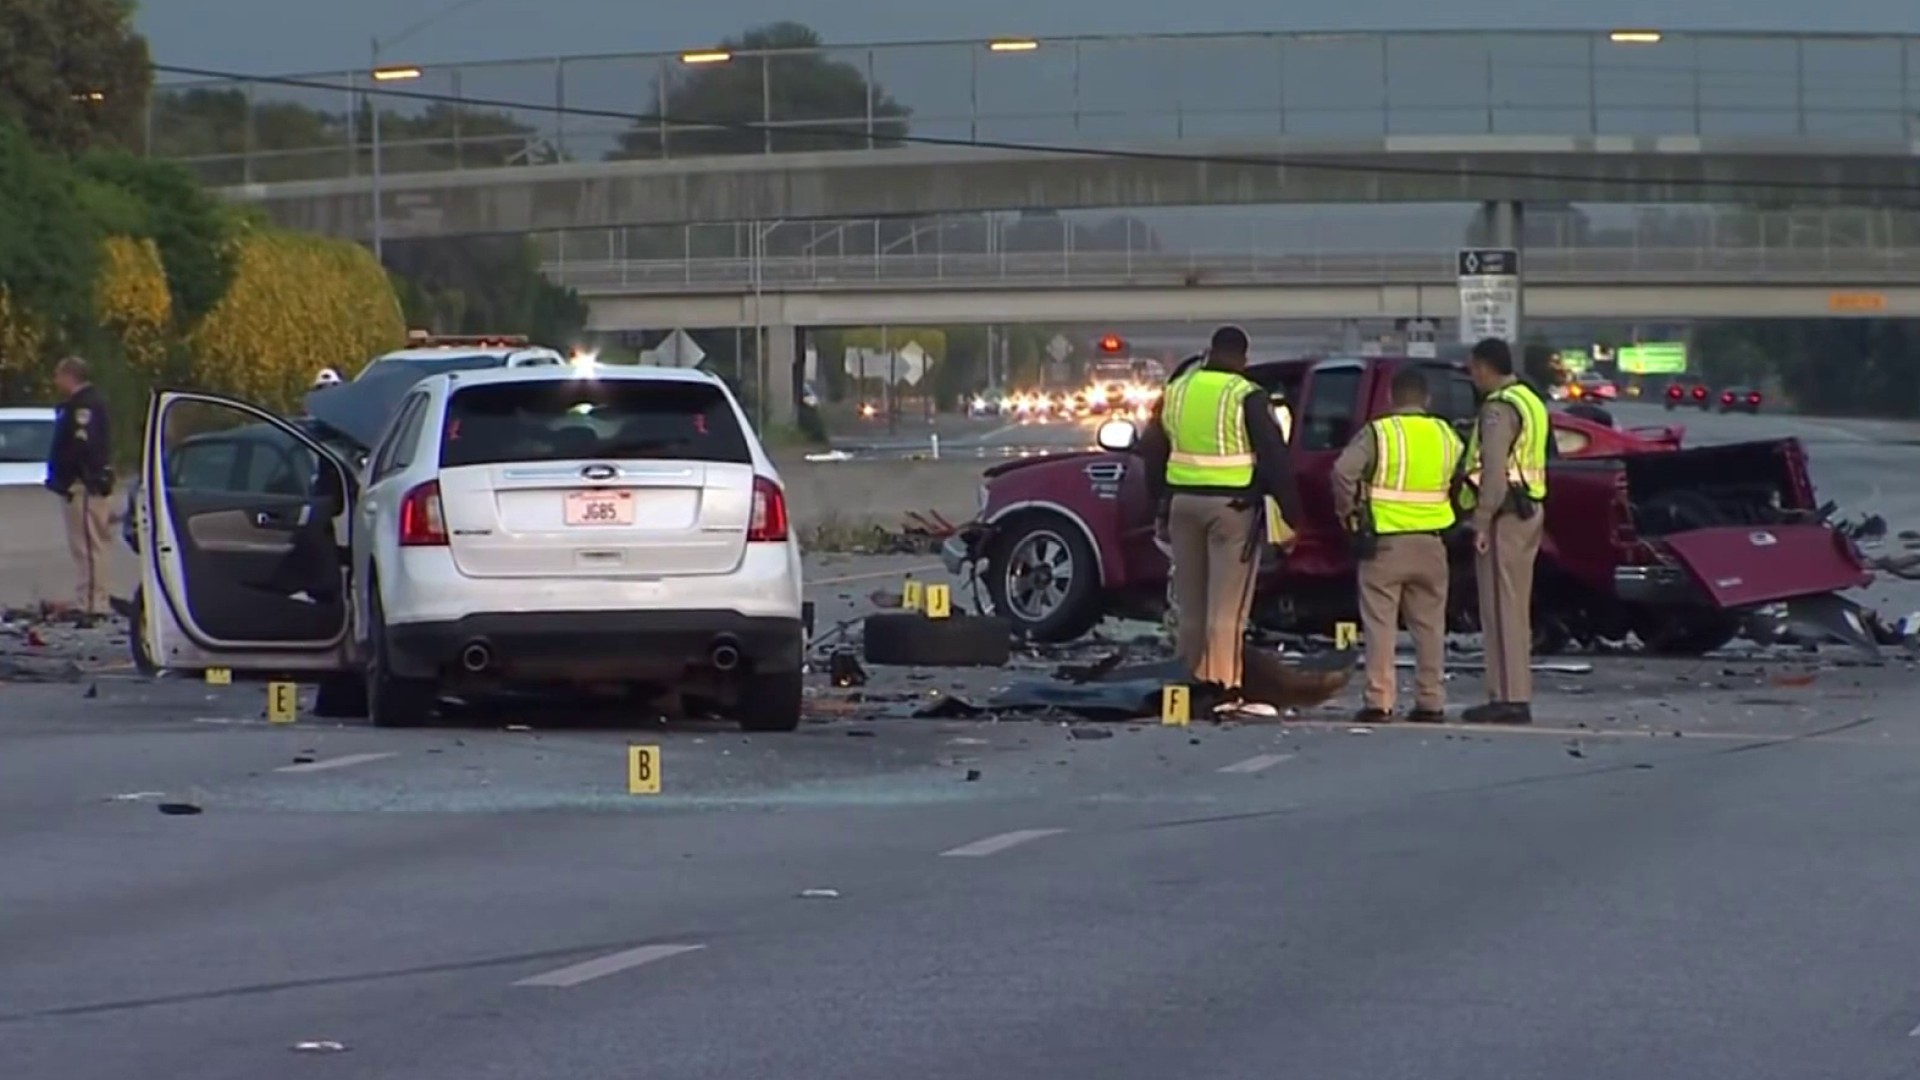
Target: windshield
{"points": [[25, 440], [574, 419], [449, 361]]}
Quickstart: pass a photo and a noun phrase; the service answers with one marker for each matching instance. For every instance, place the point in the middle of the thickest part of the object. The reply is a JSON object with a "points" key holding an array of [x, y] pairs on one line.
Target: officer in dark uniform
{"points": [[80, 471]]}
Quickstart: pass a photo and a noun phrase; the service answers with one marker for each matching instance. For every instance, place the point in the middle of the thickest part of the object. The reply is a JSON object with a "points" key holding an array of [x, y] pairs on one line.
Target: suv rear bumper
{"points": [[593, 645]]}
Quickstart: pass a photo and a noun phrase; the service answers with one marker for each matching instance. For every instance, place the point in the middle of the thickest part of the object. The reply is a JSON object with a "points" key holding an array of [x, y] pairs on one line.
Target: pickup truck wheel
{"points": [[1043, 578], [1665, 632]]}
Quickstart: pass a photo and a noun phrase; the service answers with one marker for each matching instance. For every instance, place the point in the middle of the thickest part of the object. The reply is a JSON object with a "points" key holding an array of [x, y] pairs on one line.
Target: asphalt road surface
{"points": [[1691, 870]]}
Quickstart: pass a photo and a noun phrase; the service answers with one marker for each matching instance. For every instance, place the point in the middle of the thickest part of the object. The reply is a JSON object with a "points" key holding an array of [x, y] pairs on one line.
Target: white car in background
{"points": [[498, 350], [26, 436], [513, 527]]}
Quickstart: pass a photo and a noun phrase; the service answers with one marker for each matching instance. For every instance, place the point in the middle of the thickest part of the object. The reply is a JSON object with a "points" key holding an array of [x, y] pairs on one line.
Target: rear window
{"points": [[574, 419]]}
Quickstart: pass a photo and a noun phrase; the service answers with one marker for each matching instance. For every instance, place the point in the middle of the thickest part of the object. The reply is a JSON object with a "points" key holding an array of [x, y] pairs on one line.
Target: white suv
{"points": [[512, 527]]}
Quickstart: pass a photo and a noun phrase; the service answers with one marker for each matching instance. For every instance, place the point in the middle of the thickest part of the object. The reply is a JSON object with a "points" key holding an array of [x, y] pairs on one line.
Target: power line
{"points": [[1058, 149]]}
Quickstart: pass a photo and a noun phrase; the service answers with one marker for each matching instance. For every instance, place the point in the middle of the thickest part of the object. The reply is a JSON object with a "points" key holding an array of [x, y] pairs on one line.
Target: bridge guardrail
{"points": [[1691, 266]]}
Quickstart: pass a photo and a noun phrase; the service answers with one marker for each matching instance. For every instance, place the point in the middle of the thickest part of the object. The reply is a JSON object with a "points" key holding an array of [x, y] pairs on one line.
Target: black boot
{"points": [[1506, 713]]}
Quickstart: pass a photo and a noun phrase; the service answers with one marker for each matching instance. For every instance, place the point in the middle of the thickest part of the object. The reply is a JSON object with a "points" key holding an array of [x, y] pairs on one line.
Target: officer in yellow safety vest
{"points": [[1506, 498], [1392, 488], [1213, 456]]}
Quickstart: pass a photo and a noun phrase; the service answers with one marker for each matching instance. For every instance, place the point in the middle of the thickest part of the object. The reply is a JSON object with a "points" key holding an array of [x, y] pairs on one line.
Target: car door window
{"points": [[279, 465], [383, 457], [209, 465], [1332, 409], [407, 438]]}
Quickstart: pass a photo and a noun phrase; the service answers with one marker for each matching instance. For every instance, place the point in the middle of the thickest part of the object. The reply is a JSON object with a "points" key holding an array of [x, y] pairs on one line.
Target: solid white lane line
{"points": [[603, 966], [993, 844], [1255, 764], [334, 763], [1915, 1033]]}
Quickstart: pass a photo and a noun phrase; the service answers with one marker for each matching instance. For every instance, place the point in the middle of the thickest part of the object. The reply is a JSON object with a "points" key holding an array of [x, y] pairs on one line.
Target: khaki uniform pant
{"points": [[1505, 576], [1214, 567], [1405, 579], [88, 520]]}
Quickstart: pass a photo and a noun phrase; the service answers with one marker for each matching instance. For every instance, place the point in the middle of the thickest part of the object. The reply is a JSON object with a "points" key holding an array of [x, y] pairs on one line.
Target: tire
{"points": [[137, 636], [341, 697], [913, 640], [1666, 632], [392, 701], [1024, 562], [769, 703]]}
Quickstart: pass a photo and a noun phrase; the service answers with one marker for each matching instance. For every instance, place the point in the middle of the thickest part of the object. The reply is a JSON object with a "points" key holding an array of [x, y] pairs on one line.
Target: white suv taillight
{"points": [[769, 512], [422, 523]]}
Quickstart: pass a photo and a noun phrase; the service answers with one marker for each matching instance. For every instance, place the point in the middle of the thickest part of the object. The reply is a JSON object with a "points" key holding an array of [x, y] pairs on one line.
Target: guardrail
{"points": [[1679, 266], [1069, 90]]}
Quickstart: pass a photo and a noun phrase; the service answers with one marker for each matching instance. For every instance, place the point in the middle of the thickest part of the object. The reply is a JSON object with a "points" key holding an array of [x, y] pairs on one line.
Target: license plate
{"points": [[599, 507]]}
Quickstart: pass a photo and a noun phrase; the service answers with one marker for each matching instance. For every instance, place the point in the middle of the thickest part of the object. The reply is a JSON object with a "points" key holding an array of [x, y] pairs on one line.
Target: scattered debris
{"points": [[844, 668], [137, 796], [1800, 678], [972, 775], [1359, 731], [819, 894], [179, 809], [320, 1046], [1089, 733], [861, 733]]}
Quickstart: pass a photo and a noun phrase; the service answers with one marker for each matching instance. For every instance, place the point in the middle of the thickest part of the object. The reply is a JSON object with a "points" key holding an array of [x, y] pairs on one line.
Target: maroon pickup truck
{"points": [[1681, 548]]}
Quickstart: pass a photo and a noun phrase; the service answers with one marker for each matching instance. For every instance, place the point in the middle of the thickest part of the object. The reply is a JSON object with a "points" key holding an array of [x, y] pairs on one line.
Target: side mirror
{"points": [[1117, 435]]}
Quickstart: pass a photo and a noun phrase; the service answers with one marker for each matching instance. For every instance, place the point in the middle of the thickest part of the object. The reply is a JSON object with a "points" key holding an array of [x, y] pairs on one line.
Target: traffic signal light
{"points": [[1112, 344]]}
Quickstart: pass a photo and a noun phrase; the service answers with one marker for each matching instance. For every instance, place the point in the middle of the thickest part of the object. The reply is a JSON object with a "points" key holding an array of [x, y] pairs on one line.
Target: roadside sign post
{"points": [[1489, 294]]}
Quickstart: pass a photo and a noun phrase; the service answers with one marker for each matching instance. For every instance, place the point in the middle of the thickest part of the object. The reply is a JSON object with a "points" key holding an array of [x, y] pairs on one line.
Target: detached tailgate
{"points": [[1743, 565]]}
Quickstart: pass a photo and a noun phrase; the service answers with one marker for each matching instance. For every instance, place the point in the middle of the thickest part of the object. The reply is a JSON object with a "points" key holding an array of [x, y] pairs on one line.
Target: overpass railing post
{"points": [[1800, 84], [1593, 85], [1907, 110], [870, 92], [660, 104], [560, 107], [1386, 86], [1280, 62], [766, 102], [247, 137], [1490, 123], [1698, 127]]}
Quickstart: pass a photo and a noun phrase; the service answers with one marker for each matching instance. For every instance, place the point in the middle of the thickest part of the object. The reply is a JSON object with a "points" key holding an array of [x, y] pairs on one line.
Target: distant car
{"points": [[1683, 392], [1740, 399], [1588, 386], [26, 435], [989, 402], [476, 350]]}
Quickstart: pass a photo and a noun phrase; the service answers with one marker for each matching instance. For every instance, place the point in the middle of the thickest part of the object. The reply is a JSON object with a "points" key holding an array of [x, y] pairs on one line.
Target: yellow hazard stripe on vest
{"points": [[1210, 460], [1398, 495]]}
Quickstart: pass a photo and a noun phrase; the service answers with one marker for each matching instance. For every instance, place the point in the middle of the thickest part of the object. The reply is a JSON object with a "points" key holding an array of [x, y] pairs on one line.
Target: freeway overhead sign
{"points": [[1059, 348], [1654, 358], [1489, 294]]}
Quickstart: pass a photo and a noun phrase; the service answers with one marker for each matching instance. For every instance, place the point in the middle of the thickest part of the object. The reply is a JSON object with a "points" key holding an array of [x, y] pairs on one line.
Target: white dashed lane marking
{"points": [[334, 763], [612, 964], [995, 844], [1255, 764]]}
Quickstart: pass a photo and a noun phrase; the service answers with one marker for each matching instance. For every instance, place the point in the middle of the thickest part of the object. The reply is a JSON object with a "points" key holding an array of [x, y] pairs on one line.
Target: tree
{"points": [[485, 285], [73, 72], [49, 247], [189, 226], [778, 72]]}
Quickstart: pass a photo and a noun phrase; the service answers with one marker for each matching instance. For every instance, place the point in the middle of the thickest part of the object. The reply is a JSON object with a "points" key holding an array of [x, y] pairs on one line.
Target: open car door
{"points": [[242, 522]]}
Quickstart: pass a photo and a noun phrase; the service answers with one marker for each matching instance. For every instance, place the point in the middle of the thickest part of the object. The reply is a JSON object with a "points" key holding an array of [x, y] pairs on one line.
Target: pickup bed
{"points": [[1674, 546]]}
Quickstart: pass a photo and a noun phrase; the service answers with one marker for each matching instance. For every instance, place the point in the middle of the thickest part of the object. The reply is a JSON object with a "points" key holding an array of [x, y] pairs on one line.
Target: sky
{"points": [[282, 36]]}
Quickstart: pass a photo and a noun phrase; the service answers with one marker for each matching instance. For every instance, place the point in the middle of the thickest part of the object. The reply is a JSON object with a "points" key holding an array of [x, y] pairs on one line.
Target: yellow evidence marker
{"points": [[912, 595], [1345, 635], [1176, 705], [219, 676], [939, 601], [643, 770], [283, 702]]}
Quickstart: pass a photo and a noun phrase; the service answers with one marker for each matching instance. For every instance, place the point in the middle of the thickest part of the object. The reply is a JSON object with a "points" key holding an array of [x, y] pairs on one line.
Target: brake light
{"points": [[1673, 391], [769, 512], [422, 523], [1726, 397], [1699, 393], [1754, 398]]}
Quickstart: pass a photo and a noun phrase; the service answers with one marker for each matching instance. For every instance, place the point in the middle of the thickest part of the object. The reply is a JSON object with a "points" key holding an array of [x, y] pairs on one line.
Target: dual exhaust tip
{"points": [[724, 654]]}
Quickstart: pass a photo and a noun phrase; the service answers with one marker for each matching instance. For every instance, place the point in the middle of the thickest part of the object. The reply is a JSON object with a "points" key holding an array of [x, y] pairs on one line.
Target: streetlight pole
{"points": [[382, 74], [379, 232]]}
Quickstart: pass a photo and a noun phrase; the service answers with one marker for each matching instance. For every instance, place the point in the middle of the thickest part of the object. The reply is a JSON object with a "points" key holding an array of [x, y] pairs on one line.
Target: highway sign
{"points": [[1420, 340], [1489, 294], [1654, 358], [677, 350], [1059, 348], [913, 363]]}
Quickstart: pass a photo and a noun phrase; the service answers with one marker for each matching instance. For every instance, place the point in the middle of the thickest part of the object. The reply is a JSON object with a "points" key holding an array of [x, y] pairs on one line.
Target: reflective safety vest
{"points": [[1204, 414], [1414, 458], [1527, 464]]}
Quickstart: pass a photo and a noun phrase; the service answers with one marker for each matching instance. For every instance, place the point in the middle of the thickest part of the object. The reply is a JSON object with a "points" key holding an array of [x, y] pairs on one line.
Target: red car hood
{"points": [[1017, 464], [1742, 565]]}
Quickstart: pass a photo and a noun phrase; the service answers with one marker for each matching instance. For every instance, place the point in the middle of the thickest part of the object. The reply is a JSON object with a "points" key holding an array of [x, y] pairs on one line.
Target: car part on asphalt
{"points": [[912, 639]]}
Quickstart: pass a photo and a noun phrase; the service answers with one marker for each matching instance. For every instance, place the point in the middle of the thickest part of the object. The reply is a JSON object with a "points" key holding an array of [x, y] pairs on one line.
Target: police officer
{"points": [[1505, 490], [80, 471], [1392, 485], [1213, 455]]}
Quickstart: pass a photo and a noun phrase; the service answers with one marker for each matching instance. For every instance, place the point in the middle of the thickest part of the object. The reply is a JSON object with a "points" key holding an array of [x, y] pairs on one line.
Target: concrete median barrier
{"points": [[34, 564]]}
